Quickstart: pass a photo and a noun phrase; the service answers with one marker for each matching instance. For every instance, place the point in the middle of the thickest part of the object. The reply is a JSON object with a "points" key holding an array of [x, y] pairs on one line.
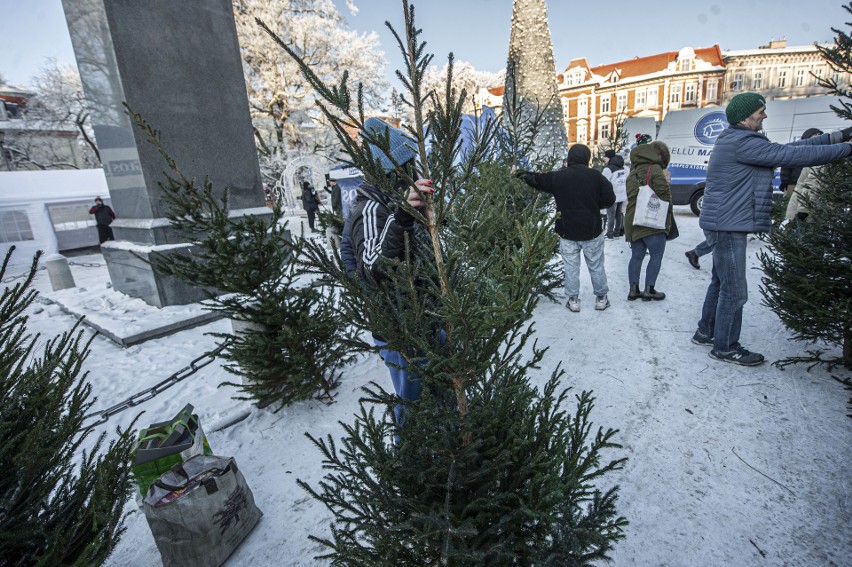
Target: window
{"points": [[800, 77], [652, 97], [605, 103], [605, 132], [621, 102], [818, 75], [685, 64], [640, 98], [689, 93], [757, 80], [782, 78], [15, 226], [581, 133], [737, 85], [566, 108], [836, 78], [712, 90], [582, 107], [70, 216], [674, 97]]}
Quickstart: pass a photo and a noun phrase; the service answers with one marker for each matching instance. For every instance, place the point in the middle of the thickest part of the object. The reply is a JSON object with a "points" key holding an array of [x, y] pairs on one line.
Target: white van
{"points": [[690, 135]]}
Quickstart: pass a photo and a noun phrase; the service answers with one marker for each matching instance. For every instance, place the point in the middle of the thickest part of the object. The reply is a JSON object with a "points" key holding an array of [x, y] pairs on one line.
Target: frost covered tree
{"points": [[281, 101], [808, 267], [465, 76], [488, 469], [56, 507], [60, 101]]}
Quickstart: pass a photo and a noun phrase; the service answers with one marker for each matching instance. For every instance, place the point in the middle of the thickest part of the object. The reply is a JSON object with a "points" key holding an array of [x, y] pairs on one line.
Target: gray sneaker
{"points": [[741, 356], [601, 303], [573, 304], [700, 338]]}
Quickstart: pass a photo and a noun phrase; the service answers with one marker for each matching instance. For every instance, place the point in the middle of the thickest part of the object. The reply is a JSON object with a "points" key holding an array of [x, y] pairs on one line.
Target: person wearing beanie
{"points": [[580, 193], [790, 175], [377, 227], [737, 201], [608, 155], [104, 216], [310, 202]]}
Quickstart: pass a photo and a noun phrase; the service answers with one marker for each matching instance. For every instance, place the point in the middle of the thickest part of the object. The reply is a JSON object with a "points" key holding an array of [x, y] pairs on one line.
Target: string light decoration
{"points": [[531, 76]]}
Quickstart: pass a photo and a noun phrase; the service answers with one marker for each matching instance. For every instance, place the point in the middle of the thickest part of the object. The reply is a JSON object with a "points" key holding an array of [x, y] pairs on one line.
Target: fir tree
{"points": [[54, 510], [487, 470], [292, 346], [808, 265]]}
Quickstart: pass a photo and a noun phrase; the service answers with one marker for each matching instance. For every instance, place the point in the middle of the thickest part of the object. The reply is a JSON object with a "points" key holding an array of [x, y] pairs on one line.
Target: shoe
{"points": [[651, 294], [634, 293], [693, 259], [700, 338], [740, 356], [602, 303], [573, 304]]}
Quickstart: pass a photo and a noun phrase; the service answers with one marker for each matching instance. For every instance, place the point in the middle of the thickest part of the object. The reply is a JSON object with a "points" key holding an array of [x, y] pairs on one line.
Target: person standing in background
{"points": [[103, 219]]}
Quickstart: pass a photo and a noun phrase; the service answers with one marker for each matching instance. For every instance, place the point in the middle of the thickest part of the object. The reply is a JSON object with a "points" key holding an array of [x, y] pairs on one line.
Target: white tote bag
{"points": [[651, 211]]}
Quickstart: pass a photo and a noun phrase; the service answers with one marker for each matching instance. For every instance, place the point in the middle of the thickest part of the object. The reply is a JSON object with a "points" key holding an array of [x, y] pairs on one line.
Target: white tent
{"points": [[48, 210]]}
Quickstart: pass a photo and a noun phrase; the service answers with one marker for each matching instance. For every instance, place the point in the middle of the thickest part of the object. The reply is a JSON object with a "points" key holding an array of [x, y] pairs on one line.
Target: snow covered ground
{"points": [[727, 465]]}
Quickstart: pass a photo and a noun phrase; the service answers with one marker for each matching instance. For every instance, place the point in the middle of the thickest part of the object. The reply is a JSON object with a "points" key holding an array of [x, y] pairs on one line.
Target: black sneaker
{"points": [[700, 338], [693, 259], [741, 356]]}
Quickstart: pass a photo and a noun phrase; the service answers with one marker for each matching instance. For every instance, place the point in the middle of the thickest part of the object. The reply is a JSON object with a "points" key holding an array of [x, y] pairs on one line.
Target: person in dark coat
{"points": [[103, 218], [790, 175], [738, 200], [580, 193], [310, 202]]}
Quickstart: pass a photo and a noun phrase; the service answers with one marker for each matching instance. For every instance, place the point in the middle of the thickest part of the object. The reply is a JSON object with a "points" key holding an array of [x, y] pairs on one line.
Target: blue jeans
{"points": [[722, 313], [593, 250], [703, 249], [406, 384], [656, 246]]}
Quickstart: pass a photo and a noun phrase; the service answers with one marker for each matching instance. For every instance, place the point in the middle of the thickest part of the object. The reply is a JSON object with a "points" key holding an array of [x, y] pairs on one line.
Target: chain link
{"points": [[150, 393], [10, 279]]}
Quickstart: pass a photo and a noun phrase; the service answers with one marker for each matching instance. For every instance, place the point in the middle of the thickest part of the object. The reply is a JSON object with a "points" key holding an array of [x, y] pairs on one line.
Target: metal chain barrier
{"points": [[10, 279], [145, 395]]}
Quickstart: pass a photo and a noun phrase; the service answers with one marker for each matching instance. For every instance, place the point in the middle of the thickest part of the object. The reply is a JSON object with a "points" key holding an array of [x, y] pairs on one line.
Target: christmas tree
{"points": [[808, 266], [54, 508], [292, 340], [487, 469]]}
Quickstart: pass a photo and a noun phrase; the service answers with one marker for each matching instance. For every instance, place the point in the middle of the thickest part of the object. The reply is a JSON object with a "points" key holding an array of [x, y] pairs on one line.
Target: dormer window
{"points": [[685, 59]]}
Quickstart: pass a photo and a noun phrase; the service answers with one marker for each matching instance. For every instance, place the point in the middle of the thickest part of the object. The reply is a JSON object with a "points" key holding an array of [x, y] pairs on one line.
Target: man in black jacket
{"points": [[580, 193], [103, 218]]}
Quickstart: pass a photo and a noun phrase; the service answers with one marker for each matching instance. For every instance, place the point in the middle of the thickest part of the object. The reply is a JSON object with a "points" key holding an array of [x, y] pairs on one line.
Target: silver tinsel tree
{"points": [[531, 79]]}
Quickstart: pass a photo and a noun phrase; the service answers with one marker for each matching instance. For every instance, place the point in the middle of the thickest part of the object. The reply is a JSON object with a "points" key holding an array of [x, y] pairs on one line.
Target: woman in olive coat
{"points": [[649, 162]]}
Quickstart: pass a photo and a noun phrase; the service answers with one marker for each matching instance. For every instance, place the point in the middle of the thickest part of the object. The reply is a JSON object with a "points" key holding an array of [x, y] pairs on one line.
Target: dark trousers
{"points": [[312, 215], [104, 233]]}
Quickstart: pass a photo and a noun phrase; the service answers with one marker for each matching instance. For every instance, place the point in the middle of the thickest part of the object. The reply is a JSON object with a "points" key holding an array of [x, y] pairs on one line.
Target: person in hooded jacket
{"points": [[616, 173], [580, 193], [649, 167], [103, 219], [377, 228]]}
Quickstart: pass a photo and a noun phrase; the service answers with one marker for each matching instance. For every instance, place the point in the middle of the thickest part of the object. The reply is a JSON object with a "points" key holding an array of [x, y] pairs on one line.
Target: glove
{"points": [[801, 216], [847, 134], [838, 136]]}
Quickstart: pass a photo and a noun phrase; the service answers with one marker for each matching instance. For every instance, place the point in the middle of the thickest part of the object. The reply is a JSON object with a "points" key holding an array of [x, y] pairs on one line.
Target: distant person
{"points": [[808, 181], [333, 231], [649, 168], [580, 193], [693, 255], [616, 173], [310, 202], [790, 175], [738, 200], [103, 219]]}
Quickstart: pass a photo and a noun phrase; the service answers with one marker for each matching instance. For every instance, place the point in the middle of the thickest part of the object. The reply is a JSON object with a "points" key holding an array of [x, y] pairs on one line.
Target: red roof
{"points": [[639, 66], [497, 91]]}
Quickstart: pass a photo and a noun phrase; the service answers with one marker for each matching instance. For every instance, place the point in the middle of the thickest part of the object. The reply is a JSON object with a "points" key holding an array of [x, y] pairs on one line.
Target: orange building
{"points": [[594, 99]]}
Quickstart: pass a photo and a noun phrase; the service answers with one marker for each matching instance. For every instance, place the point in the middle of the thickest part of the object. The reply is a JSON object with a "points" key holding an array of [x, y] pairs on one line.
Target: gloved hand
{"points": [[847, 134], [801, 216]]}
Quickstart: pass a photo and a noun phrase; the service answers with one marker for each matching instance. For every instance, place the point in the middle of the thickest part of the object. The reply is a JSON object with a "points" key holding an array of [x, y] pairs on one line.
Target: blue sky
{"points": [[477, 31]]}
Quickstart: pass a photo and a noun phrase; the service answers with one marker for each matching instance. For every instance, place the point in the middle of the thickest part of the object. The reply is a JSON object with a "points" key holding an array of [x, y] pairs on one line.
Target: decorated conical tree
{"points": [[808, 266], [531, 80], [487, 469], [56, 507]]}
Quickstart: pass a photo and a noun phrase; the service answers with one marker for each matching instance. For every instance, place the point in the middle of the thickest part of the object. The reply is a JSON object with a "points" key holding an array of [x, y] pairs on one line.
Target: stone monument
{"points": [[177, 63], [531, 78]]}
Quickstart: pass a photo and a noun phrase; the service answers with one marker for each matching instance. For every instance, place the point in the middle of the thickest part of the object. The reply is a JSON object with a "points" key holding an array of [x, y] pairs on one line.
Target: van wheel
{"points": [[696, 201]]}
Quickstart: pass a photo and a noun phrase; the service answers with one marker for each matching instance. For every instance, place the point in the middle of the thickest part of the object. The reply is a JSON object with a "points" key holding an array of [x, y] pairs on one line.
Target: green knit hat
{"points": [[742, 106]]}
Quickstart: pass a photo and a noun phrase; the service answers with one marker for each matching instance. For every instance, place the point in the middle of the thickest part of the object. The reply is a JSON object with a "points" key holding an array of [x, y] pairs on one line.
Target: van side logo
{"points": [[708, 128]]}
